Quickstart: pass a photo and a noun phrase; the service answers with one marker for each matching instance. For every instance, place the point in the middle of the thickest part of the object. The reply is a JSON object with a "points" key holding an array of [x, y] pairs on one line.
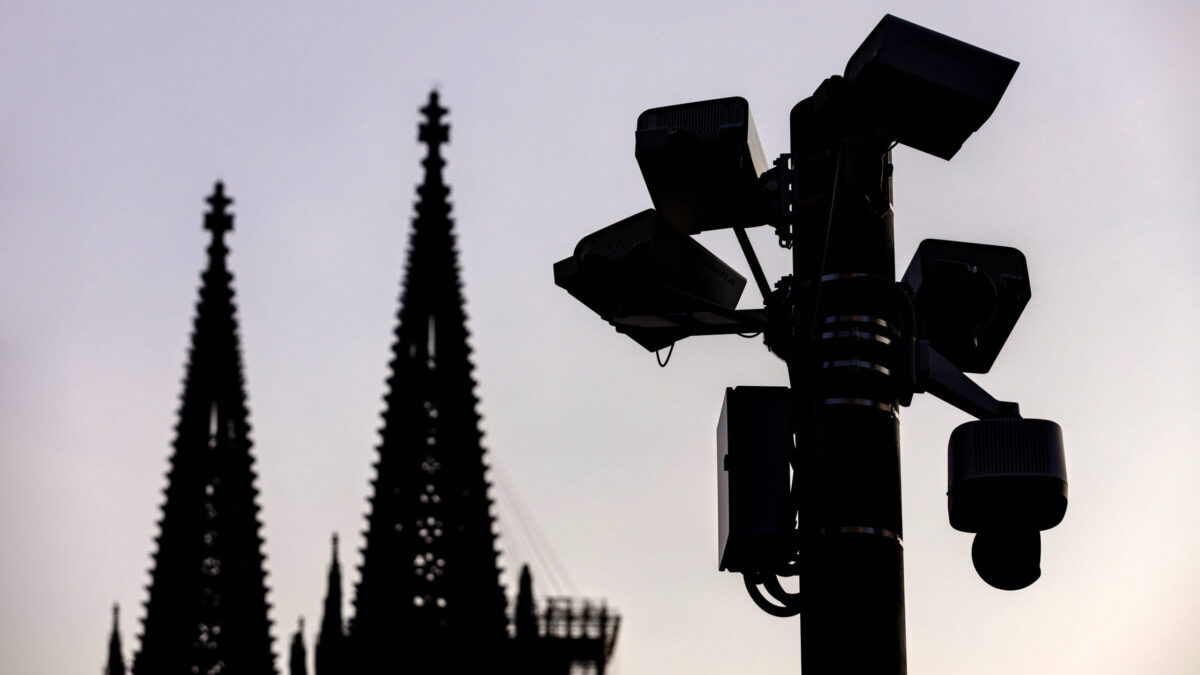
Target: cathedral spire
{"points": [[116, 661], [429, 580], [207, 610], [433, 132], [330, 647], [297, 664], [525, 617], [218, 220]]}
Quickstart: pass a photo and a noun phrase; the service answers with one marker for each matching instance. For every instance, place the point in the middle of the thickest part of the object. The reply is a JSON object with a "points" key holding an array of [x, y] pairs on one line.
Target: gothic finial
{"points": [[116, 661], [335, 546], [433, 131], [298, 662], [219, 220], [525, 618], [433, 110]]}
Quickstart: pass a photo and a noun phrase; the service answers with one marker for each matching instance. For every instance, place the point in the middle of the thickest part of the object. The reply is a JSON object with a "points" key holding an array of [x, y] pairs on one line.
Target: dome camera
{"points": [[1009, 560], [1008, 481]]}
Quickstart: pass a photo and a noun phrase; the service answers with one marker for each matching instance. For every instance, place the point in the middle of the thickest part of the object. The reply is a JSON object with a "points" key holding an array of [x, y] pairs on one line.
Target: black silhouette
{"points": [[207, 610], [858, 345], [429, 598], [567, 633], [331, 641], [298, 663], [116, 662], [429, 577]]}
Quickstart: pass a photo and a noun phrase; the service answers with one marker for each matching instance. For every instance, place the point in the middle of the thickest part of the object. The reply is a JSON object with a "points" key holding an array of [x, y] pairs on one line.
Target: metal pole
{"points": [[848, 315]]}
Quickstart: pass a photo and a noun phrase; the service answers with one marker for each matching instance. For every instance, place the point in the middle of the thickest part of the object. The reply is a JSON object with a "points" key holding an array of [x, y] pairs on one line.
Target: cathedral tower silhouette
{"points": [[429, 580], [207, 611], [429, 597]]}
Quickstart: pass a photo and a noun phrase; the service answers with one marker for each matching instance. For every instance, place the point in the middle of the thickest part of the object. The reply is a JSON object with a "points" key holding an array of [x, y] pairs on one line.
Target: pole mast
{"points": [[848, 319]]}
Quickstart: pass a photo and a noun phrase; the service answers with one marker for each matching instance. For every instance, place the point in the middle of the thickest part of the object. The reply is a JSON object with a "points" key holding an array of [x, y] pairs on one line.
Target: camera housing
{"points": [[1007, 474], [1007, 482], [924, 89], [701, 162], [643, 266], [968, 298]]}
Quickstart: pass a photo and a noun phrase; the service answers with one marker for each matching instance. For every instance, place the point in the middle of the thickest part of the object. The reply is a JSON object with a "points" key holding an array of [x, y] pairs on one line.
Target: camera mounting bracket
{"points": [[928, 371]]}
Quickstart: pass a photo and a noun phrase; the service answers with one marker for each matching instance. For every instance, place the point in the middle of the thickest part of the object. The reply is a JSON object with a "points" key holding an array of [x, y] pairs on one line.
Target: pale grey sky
{"points": [[116, 119]]}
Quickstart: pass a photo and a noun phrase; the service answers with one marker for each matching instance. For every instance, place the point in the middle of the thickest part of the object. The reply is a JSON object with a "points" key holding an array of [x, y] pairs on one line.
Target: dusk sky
{"points": [[117, 118]]}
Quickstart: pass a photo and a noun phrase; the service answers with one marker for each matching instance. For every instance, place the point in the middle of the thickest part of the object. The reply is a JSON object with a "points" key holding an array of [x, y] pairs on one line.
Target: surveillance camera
{"points": [[1008, 481], [968, 298], [1008, 559], [1007, 474], [644, 266], [924, 89], [701, 162]]}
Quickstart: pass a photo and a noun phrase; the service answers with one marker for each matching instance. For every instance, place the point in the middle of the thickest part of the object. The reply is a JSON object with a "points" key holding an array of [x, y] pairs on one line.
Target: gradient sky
{"points": [[116, 119]]}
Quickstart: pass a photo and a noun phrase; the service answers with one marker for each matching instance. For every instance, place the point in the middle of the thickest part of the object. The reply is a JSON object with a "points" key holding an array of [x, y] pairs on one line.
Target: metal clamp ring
{"points": [[879, 531]]}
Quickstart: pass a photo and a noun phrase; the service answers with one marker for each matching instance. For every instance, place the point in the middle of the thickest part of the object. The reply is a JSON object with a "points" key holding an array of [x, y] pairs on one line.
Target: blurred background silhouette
{"points": [[429, 597], [116, 118]]}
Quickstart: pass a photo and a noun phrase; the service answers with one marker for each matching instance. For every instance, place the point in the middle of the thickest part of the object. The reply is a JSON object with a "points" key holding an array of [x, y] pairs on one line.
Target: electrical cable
{"points": [[816, 280], [790, 569], [537, 559], [811, 320], [751, 581], [661, 362], [775, 590], [559, 579], [543, 543]]}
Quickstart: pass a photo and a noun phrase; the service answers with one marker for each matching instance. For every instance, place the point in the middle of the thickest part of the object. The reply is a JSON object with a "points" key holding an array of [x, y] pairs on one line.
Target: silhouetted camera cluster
{"points": [[705, 169]]}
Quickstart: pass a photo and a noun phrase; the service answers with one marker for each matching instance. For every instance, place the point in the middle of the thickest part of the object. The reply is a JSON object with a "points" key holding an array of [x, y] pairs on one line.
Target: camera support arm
{"points": [[929, 371]]}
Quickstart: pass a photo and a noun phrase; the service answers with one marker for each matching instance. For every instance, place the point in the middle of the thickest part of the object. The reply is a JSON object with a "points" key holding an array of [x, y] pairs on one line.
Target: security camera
{"points": [[924, 89], [644, 266], [1007, 482], [968, 298], [701, 162], [1008, 559]]}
